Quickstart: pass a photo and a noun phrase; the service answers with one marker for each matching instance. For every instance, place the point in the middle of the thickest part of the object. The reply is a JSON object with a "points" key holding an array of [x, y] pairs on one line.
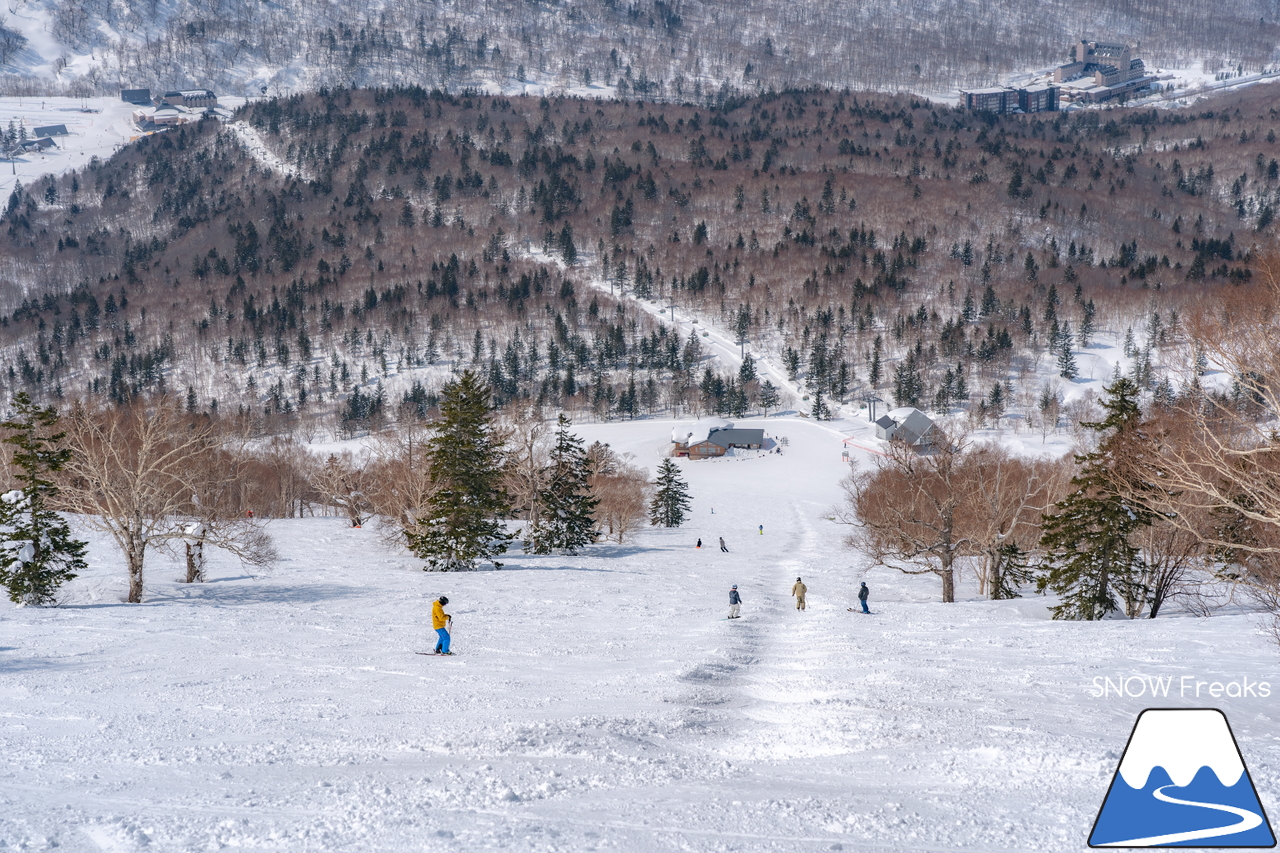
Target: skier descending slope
{"points": [[798, 589], [735, 602], [441, 622]]}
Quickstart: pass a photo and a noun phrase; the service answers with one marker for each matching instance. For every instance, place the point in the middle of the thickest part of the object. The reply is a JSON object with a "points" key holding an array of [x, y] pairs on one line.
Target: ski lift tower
{"points": [[871, 400], [672, 306]]}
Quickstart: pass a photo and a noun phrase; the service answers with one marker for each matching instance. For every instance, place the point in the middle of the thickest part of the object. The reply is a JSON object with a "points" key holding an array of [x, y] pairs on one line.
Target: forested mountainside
{"points": [[335, 255], [670, 50]]}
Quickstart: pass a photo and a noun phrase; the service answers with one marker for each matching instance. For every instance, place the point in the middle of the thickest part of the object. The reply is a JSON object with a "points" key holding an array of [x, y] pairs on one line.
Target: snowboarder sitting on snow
{"points": [[441, 621], [798, 589], [862, 596], [735, 602]]}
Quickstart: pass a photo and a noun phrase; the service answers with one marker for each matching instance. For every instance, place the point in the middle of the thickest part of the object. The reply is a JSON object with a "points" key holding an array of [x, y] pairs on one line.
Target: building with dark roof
{"points": [[198, 98], [1001, 100], [703, 440], [142, 97], [51, 130], [908, 425]]}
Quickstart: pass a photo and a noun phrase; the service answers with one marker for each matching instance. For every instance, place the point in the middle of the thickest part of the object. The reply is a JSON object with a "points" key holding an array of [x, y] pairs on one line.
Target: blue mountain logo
{"points": [[1182, 783]]}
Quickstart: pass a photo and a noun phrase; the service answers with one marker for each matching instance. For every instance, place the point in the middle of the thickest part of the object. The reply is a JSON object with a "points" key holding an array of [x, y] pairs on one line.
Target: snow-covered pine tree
{"points": [[462, 525], [671, 498], [37, 553], [566, 519], [1088, 553]]}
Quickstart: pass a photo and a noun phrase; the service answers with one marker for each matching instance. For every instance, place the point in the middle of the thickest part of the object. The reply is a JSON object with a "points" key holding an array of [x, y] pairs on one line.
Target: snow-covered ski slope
{"points": [[599, 702]]}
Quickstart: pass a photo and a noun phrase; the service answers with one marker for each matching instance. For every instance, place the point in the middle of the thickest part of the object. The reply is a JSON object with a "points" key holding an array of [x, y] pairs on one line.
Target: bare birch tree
{"points": [[133, 473]]}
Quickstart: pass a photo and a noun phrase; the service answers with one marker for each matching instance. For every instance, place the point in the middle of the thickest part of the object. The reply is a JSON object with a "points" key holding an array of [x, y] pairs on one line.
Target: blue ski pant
{"points": [[442, 645], [864, 605]]}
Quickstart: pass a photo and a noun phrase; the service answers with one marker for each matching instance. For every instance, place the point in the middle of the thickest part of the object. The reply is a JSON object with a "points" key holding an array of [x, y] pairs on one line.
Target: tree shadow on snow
{"points": [[242, 594], [13, 665], [231, 596], [548, 567]]}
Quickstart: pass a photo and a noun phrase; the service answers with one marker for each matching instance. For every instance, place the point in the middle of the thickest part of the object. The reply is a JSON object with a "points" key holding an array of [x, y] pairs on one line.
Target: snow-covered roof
{"points": [[913, 424], [692, 433]]}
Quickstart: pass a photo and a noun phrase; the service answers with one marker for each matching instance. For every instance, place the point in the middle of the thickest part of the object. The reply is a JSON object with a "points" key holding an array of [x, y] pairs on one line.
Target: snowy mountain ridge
{"points": [[688, 50]]}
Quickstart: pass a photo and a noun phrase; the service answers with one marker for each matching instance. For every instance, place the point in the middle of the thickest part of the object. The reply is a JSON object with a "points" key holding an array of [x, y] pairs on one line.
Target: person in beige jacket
{"points": [[798, 590]]}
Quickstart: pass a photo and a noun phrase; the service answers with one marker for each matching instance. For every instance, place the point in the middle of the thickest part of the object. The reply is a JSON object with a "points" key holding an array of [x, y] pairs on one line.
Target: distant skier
{"points": [[798, 589], [723, 547], [441, 622], [735, 601], [762, 530], [863, 593], [699, 545]]}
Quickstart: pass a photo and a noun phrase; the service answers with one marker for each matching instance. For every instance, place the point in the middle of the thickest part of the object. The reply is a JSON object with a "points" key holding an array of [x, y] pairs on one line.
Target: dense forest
{"points": [[330, 259], [670, 50]]}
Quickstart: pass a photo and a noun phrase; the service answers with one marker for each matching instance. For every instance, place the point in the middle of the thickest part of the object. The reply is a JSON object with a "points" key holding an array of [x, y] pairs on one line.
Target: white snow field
{"points": [[96, 127], [599, 702]]}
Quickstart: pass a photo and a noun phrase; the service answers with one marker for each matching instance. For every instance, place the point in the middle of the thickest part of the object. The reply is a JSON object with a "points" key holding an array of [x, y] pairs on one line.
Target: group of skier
{"points": [[442, 621], [799, 591]]}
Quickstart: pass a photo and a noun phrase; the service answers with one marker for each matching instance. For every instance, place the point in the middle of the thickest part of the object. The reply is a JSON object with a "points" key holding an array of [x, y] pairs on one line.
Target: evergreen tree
{"points": [[990, 304], [1088, 553], [1066, 359], [1009, 569], [464, 460], [1087, 326], [567, 249], [908, 387], [37, 553], [566, 519], [768, 396], [821, 411], [876, 368], [670, 501]]}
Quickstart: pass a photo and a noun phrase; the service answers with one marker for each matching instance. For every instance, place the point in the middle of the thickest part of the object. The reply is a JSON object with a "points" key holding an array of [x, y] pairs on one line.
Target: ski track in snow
{"points": [[260, 151], [598, 702]]}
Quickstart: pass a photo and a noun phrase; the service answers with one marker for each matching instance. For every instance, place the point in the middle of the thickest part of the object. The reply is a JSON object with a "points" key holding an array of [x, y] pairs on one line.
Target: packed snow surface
{"points": [[597, 702]]}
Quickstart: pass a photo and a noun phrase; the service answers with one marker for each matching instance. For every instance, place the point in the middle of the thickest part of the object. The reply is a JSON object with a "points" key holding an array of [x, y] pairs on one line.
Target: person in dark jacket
{"points": [[699, 545], [735, 602], [723, 547], [863, 593]]}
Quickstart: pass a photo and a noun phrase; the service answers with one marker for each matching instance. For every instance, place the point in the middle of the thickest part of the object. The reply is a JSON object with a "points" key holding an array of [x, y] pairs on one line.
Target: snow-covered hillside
{"points": [[600, 702], [693, 50]]}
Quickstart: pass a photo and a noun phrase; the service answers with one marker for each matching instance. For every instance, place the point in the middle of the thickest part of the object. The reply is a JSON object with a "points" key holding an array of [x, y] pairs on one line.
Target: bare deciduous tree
{"points": [[1221, 452], [1007, 497], [399, 482], [529, 444], [623, 490], [133, 474], [343, 481], [905, 511]]}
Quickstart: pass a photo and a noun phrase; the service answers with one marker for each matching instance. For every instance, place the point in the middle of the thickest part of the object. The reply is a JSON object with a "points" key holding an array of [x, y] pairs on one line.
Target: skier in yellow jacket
{"points": [[441, 621], [798, 589]]}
